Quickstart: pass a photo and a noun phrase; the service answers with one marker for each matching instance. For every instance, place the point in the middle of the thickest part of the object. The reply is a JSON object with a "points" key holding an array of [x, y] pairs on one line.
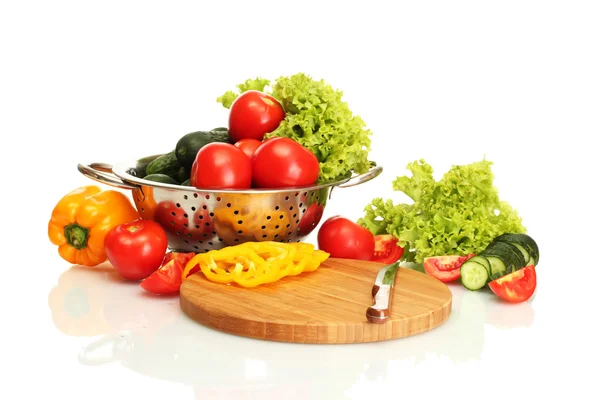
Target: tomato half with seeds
{"points": [[445, 268], [387, 250], [517, 286], [166, 279]]}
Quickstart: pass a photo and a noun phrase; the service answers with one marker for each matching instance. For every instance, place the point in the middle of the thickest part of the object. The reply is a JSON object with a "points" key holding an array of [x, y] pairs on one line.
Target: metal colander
{"points": [[197, 220]]}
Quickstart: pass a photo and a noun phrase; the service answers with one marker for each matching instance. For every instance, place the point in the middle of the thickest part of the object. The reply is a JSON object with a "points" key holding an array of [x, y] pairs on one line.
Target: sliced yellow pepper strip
{"points": [[253, 263]]}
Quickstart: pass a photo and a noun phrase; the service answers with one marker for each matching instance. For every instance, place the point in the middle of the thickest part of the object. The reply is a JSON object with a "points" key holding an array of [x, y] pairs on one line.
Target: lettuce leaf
{"points": [[457, 215], [318, 119], [228, 97]]}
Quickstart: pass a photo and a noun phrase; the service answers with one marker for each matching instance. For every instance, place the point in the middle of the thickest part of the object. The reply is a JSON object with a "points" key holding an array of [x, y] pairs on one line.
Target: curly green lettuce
{"points": [[318, 119], [457, 215]]}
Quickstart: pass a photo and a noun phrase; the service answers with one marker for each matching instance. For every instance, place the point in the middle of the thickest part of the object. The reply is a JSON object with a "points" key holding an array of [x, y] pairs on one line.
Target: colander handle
{"points": [[358, 179], [103, 173]]}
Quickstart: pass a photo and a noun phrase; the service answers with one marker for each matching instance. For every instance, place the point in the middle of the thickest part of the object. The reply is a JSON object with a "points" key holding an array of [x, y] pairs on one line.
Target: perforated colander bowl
{"points": [[197, 220]]}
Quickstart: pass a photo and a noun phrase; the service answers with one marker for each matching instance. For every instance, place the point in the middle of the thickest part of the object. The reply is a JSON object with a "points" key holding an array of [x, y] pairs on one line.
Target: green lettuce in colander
{"points": [[457, 215], [318, 119]]}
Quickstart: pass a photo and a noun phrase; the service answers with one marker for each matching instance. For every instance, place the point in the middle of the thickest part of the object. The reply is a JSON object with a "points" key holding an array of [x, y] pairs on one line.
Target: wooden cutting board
{"points": [[324, 306]]}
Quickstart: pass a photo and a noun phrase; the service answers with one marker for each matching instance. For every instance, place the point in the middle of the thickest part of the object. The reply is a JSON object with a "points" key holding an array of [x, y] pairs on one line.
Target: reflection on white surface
{"points": [[255, 369], [151, 336]]}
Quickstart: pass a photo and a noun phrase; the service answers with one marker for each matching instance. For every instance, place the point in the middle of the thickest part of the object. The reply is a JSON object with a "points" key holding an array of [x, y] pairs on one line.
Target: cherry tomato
{"points": [[343, 238], [283, 162], [517, 286], [221, 166], [254, 114], [310, 219], [445, 268], [165, 280], [387, 250], [136, 249], [248, 146]]}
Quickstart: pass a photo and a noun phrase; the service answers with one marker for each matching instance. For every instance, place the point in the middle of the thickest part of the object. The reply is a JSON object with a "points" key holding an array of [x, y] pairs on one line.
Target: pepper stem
{"points": [[77, 235]]}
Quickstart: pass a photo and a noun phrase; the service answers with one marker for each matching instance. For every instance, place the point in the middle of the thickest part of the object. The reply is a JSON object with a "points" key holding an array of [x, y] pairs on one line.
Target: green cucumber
{"points": [[528, 257], [473, 275], [167, 164], [525, 241], [188, 145], [220, 129], [162, 178], [483, 261], [140, 166], [510, 255], [186, 183], [498, 268], [183, 174]]}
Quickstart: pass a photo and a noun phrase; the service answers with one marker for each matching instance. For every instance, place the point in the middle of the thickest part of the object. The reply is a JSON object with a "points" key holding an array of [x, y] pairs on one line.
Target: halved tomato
{"points": [[517, 286], [166, 279], [445, 268], [387, 250]]}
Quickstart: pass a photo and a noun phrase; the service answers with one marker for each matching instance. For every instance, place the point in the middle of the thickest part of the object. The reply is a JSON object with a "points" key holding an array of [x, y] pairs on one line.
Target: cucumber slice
{"points": [[483, 261], [525, 241], [510, 255], [523, 251], [498, 268], [473, 275]]}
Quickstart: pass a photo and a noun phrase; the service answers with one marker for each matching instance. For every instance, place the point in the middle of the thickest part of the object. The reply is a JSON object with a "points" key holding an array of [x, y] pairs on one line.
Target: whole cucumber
{"points": [[166, 164], [188, 145]]}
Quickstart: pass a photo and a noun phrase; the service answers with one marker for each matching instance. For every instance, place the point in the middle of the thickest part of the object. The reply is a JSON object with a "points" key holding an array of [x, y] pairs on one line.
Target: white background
{"points": [[451, 82]]}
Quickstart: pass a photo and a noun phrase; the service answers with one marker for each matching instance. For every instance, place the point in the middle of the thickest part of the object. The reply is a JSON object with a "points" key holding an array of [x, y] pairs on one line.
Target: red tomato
{"points": [[445, 268], [387, 250], [254, 114], [176, 222], [171, 217], [221, 166], [310, 219], [283, 162], [248, 146], [183, 258], [165, 280], [517, 286], [342, 238], [136, 249]]}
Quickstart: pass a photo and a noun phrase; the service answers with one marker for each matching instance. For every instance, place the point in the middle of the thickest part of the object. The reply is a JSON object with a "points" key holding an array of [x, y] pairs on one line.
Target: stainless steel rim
{"points": [[118, 176]]}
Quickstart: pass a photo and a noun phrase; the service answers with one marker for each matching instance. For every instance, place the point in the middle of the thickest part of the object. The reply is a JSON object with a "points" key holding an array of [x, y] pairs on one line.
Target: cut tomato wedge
{"points": [[517, 286], [445, 268], [183, 258], [166, 279], [387, 250]]}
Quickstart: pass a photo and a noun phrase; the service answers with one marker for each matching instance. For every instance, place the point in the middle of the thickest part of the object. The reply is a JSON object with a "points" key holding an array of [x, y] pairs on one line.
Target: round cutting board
{"points": [[324, 306]]}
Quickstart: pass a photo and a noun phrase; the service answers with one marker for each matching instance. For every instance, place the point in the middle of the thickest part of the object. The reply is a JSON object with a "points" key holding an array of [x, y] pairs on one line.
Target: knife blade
{"points": [[379, 311]]}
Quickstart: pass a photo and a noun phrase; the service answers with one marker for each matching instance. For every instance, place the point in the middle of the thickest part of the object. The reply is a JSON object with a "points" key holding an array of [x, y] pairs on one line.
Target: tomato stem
{"points": [[77, 235]]}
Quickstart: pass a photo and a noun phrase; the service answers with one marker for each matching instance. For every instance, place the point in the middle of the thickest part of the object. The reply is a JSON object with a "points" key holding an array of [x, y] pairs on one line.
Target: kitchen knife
{"points": [[382, 293]]}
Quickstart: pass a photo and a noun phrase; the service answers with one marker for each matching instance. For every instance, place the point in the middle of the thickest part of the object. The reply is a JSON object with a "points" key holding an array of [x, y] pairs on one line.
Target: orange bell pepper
{"points": [[81, 220]]}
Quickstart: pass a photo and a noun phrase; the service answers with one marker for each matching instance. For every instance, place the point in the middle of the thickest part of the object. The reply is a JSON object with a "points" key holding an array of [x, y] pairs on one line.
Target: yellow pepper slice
{"points": [[253, 263]]}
